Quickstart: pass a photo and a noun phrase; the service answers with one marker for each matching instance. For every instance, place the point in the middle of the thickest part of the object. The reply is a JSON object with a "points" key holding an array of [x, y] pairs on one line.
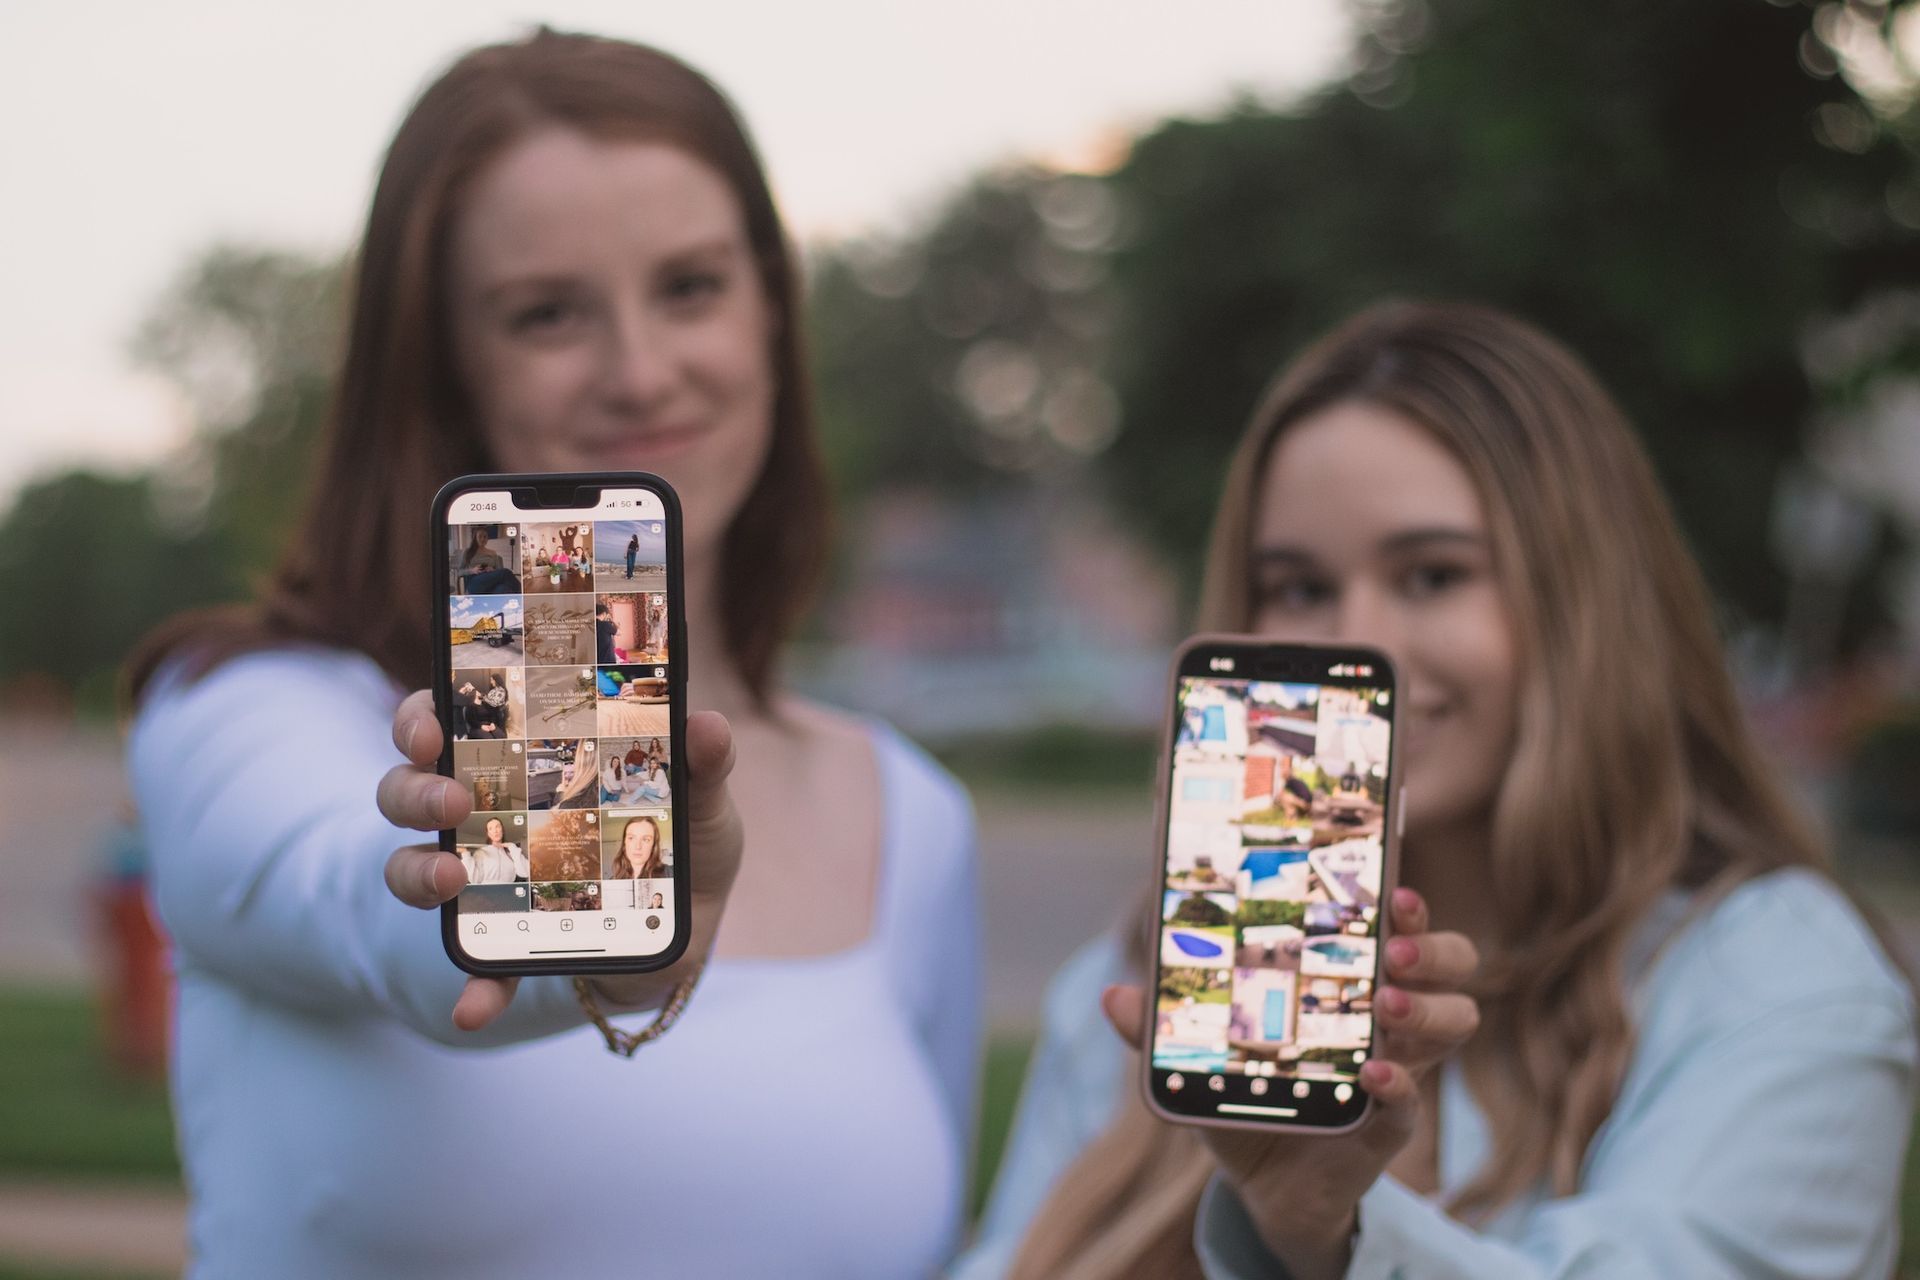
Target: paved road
{"points": [[135, 1230]]}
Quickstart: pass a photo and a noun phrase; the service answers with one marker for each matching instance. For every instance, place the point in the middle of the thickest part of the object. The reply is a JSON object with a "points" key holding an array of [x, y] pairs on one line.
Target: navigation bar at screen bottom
{"points": [[523, 934]]}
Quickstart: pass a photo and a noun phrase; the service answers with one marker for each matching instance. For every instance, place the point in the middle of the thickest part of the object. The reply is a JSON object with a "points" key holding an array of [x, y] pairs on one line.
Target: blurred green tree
{"points": [[249, 336], [104, 559], [970, 348], [1678, 191]]}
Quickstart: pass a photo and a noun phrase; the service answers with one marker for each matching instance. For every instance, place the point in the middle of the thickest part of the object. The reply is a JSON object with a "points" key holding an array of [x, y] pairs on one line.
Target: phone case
{"points": [[676, 702], [1389, 875]]}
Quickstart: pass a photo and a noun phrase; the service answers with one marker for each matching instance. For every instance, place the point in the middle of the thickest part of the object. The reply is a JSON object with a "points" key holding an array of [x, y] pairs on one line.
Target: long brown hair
{"points": [[655, 864], [1633, 770], [355, 573]]}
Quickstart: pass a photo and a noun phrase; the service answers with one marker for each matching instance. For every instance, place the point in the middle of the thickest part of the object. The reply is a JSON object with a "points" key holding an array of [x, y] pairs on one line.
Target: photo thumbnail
{"points": [[562, 773], [1336, 1018], [493, 848], [1330, 917], [493, 773], [564, 844], [483, 559], [560, 631], [1348, 873], [653, 895], [1192, 1011], [1283, 716], [636, 895], [1203, 856], [1283, 873], [560, 702], [631, 627], [630, 553], [1272, 934], [556, 558], [485, 899], [1263, 1019], [1196, 946], [486, 631], [1209, 910], [634, 771], [488, 703], [633, 702], [1351, 753], [1213, 719], [567, 895], [1337, 957], [637, 845]]}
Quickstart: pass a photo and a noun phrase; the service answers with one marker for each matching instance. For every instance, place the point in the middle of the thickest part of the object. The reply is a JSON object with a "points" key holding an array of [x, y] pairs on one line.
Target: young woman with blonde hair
{"points": [[1683, 1052]]}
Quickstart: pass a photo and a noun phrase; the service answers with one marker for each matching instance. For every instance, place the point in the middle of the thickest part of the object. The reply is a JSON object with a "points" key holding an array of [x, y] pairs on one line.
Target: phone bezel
{"points": [[1393, 814], [676, 712]]}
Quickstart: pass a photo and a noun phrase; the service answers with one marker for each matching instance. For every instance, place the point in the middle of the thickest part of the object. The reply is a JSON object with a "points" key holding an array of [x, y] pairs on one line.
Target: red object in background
{"points": [[137, 1003]]}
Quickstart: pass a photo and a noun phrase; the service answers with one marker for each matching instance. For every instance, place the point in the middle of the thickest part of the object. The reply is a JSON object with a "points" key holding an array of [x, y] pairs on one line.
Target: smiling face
{"points": [[608, 314], [1368, 531]]}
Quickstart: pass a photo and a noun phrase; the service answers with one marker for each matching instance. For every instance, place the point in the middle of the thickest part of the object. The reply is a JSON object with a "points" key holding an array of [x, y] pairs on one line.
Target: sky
{"points": [[139, 134]]}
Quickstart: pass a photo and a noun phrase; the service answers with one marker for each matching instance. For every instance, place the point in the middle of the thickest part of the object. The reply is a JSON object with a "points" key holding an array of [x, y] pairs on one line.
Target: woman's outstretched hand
{"points": [[1303, 1191], [424, 875]]}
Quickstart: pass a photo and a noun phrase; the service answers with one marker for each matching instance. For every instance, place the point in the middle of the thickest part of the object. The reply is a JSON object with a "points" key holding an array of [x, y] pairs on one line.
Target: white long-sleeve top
{"points": [[806, 1117], [1758, 1135]]}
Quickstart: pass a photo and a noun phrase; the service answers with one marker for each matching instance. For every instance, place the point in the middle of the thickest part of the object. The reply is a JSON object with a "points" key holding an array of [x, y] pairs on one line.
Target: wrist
{"points": [[1313, 1240]]}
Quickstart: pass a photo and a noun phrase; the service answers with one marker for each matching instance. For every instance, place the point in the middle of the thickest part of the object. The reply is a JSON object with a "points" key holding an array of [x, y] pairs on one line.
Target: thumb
{"points": [[1126, 1010], [710, 758], [714, 824]]}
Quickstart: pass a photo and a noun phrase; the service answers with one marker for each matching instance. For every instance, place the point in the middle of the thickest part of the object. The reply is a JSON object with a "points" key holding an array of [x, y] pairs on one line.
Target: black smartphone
{"points": [[1277, 844], [560, 675]]}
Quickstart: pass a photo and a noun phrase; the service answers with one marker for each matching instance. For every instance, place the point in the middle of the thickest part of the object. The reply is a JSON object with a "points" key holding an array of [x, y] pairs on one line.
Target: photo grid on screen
{"points": [[1270, 908], [562, 736]]}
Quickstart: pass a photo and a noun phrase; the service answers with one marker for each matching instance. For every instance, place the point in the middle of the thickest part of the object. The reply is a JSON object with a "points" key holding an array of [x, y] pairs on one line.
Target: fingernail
{"points": [[1374, 1073], [1395, 1002], [1403, 952], [1406, 899], [431, 874]]}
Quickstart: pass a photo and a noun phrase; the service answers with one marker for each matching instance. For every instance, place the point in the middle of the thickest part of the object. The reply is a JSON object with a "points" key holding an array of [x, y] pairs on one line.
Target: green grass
{"points": [[65, 1112], [1053, 759], [1006, 1067]]}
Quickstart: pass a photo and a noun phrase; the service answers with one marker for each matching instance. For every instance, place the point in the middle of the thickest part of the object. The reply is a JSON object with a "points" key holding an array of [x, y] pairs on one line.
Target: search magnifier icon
{"points": [[521, 925]]}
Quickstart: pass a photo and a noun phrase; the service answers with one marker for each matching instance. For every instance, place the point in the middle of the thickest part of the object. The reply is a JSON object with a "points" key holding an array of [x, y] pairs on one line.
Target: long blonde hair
{"points": [[584, 775], [1633, 771]]}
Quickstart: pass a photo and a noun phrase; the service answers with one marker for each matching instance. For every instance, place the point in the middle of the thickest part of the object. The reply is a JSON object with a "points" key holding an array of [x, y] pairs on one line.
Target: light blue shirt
{"points": [[1760, 1129]]}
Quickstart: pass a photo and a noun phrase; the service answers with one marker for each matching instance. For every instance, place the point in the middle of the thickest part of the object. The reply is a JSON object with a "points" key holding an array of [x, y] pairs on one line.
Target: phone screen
{"points": [[1269, 917], [559, 700]]}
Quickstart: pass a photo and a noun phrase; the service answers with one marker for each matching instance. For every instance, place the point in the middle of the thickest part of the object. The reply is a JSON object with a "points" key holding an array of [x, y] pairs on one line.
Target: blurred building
{"points": [[1003, 614]]}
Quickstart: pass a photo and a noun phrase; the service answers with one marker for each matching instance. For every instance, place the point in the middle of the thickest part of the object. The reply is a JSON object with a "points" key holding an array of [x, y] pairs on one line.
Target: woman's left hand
{"points": [[1302, 1190]]}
